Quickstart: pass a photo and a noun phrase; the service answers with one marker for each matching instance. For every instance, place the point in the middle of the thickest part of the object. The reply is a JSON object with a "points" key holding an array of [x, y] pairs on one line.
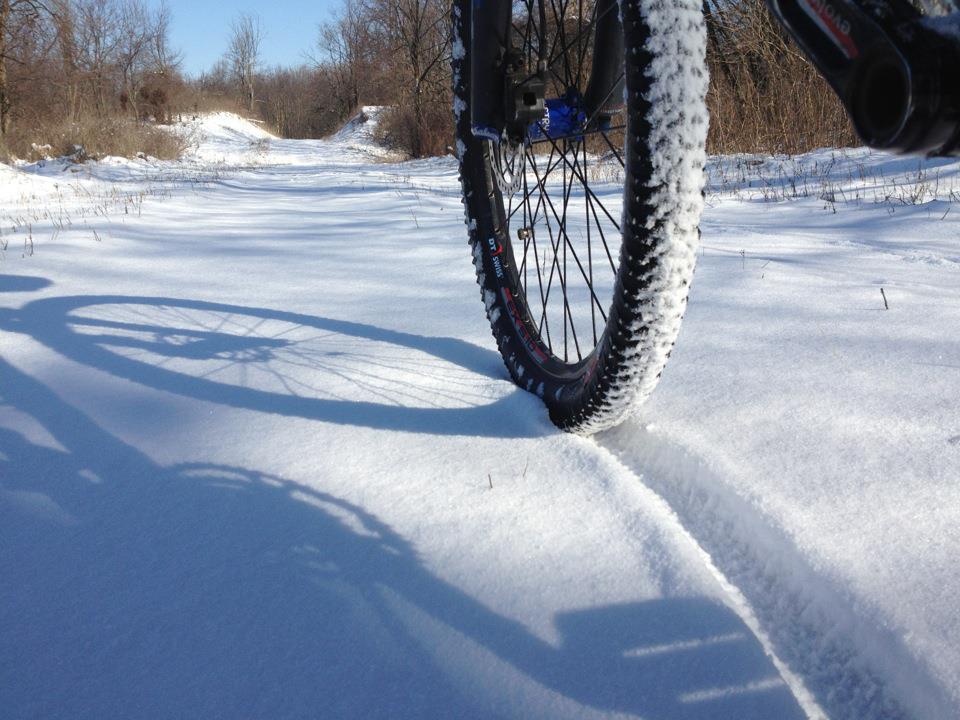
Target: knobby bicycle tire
{"points": [[593, 380]]}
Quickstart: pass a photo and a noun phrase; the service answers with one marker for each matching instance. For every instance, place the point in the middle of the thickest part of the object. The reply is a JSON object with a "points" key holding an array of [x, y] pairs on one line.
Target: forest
{"points": [[95, 77]]}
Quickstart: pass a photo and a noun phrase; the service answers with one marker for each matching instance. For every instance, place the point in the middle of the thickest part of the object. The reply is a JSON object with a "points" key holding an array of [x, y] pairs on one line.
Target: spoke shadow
{"points": [[131, 589], [285, 363]]}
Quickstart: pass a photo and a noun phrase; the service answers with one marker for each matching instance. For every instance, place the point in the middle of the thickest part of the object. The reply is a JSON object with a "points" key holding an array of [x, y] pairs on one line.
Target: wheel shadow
{"points": [[285, 363], [22, 283], [131, 589]]}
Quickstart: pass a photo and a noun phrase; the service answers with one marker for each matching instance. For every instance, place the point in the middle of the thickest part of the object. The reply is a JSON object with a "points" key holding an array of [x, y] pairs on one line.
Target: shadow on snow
{"points": [[159, 329], [131, 589]]}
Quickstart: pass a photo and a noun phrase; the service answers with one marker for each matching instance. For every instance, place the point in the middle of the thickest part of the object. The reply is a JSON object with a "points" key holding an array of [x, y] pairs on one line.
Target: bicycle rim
{"points": [[583, 232]]}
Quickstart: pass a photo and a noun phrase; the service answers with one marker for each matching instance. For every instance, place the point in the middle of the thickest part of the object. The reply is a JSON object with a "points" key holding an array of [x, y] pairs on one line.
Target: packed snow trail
{"points": [[258, 458]]}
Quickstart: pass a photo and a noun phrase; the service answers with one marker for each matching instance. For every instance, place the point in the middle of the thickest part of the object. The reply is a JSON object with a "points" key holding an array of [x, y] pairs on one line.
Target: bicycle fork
{"points": [[896, 72]]}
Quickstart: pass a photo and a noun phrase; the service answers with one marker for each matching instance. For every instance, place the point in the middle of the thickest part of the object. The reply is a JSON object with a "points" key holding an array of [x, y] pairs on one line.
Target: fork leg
{"points": [[604, 94], [490, 43]]}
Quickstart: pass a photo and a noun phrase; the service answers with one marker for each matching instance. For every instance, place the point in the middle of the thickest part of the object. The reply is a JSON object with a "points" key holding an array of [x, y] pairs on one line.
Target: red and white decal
{"points": [[521, 328], [592, 367], [833, 24]]}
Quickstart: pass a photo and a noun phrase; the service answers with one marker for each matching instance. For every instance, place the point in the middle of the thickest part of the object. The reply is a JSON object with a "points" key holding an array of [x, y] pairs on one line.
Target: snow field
{"points": [[258, 457], [817, 454]]}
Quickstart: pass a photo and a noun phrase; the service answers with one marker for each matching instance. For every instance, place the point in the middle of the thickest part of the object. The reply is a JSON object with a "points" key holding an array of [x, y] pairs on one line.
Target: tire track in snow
{"points": [[854, 671], [737, 600]]}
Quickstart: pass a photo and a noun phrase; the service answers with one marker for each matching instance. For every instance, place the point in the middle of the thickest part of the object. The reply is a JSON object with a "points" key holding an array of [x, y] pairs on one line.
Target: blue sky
{"points": [[201, 29]]}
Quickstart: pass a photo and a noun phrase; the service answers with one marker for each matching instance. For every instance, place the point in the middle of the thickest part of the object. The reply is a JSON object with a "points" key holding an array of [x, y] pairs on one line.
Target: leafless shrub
{"points": [[385, 52], [243, 54], [399, 129], [90, 73], [90, 139], [764, 94], [292, 103]]}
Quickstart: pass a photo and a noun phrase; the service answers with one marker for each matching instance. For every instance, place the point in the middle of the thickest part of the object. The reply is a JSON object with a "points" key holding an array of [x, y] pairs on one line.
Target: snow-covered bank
{"points": [[258, 457], [807, 436]]}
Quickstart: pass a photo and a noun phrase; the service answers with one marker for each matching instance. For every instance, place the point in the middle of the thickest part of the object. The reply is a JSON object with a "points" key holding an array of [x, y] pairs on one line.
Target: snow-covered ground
{"points": [[259, 457]]}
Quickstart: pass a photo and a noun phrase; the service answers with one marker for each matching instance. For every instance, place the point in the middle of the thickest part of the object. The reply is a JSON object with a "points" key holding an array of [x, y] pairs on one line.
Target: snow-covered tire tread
{"points": [[666, 83]]}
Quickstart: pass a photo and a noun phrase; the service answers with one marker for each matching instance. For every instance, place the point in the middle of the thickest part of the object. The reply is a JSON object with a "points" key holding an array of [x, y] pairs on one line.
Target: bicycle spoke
{"points": [[616, 154], [588, 28], [593, 314], [555, 265], [545, 326], [559, 38], [552, 212], [586, 186], [575, 135], [550, 168]]}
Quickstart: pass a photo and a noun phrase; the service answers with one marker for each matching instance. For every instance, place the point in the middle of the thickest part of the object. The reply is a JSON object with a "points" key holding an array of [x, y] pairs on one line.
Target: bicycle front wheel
{"points": [[584, 222]]}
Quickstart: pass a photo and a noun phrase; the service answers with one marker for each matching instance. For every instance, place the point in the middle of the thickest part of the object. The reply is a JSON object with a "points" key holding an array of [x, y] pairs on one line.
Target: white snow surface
{"points": [[259, 457]]}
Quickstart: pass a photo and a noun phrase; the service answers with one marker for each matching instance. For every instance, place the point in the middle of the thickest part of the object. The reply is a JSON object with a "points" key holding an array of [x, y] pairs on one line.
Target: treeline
{"points": [[98, 73], [394, 53], [86, 74], [764, 95]]}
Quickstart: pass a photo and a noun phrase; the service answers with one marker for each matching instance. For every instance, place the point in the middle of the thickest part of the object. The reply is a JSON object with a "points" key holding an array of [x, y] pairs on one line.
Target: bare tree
{"points": [[99, 35], [16, 20], [68, 76], [419, 36], [164, 58], [70, 70], [350, 53], [289, 99], [134, 37], [4, 91], [162, 82], [244, 53]]}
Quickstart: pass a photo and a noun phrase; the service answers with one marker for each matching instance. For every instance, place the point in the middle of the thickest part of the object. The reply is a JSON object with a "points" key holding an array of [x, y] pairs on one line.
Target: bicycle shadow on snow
{"points": [[285, 363], [22, 283], [136, 590]]}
